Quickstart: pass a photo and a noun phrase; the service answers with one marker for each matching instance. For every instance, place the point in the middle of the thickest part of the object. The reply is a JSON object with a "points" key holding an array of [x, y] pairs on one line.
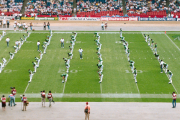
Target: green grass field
{"points": [[83, 82]]}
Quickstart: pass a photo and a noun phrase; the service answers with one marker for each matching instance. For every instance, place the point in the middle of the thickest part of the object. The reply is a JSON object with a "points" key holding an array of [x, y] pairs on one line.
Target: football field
{"points": [[82, 84]]}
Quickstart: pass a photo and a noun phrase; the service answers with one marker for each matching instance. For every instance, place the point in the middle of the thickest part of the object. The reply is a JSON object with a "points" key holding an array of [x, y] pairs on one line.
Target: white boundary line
{"points": [[172, 41]]}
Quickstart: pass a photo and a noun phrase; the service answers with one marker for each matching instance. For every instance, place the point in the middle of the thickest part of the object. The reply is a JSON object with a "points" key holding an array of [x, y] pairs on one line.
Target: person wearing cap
{"points": [[3, 100], [24, 100], [87, 111]]}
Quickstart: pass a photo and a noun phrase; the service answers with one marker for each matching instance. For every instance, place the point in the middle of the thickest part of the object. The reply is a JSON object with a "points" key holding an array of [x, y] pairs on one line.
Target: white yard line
{"points": [[26, 88], [172, 42]]}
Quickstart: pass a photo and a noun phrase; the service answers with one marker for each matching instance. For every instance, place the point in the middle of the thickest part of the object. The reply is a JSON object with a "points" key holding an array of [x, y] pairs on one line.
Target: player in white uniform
{"points": [[4, 62], [80, 52], [62, 43]]}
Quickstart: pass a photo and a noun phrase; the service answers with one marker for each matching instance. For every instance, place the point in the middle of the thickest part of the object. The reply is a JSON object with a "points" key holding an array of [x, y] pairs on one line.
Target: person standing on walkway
{"points": [[13, 91], [87, 111], [48, 25], [80, 52], [62, 42], [50, 98], [11, 99], [24, 100], [7, 41], [38, 44], [43, 96], [174, 99], [44, 25], [3, 100]]}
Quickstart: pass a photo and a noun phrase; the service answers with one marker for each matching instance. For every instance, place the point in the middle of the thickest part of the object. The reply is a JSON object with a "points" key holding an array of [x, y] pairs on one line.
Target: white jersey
{"points": [[7, 39], [17, 43], [62, 40], [14, 25], [38, 43], [80, 50], [161, 63]]}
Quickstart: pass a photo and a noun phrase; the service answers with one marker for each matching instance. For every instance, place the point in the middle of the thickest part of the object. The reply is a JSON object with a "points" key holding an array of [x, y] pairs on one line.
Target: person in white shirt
{"points": [[62, 43], [38, 44], [102, 26], [80, 52], [17, 43], [4, 62], [7, 41], [161, 66]]}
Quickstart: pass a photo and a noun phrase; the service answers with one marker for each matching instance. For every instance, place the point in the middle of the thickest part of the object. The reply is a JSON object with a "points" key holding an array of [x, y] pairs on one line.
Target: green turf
{"points": [[83, 76]]}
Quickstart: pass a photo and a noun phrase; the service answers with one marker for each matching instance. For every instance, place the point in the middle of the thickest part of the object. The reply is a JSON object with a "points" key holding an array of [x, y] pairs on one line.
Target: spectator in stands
{"points": [[44, 25]]}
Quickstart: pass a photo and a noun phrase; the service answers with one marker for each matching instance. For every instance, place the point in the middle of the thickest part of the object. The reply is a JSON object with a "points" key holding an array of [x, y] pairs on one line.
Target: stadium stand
{"points": [[92, 8]]}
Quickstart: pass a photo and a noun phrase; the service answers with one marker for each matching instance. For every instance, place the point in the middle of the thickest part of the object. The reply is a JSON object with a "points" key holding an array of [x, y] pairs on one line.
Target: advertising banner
{"points": [[46, 18], [27, 18], [157, 19], [98, 19], [80, 18]]}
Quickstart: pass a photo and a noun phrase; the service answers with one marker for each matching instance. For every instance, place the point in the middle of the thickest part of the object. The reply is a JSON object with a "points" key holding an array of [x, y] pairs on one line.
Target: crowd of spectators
{"points": [[65, 7]]}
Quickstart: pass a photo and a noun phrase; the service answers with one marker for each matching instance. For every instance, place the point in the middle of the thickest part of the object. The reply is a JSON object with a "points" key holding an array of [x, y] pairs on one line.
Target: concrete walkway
{"points": [[110, 28], [99, 111]]}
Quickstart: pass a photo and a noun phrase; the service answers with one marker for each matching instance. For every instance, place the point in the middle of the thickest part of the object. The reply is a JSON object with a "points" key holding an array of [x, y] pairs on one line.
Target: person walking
{"points": [[24, 100], [3, 100], [11, 99], [43, 96], [48, 25], [174, 99], [38, 44], [7, 41], [44, 25], [62, 42], [80, 52], [50, 98], [87, 111]]}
